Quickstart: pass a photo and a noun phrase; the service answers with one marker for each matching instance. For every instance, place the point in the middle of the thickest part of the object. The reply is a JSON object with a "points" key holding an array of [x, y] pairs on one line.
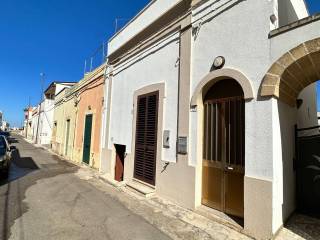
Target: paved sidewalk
{"points": [[181, 223], [176, 222]]}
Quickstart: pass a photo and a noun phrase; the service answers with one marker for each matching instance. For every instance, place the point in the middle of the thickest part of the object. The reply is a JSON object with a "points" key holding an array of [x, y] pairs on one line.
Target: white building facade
{"points": [[199, 110], [42, 117]]}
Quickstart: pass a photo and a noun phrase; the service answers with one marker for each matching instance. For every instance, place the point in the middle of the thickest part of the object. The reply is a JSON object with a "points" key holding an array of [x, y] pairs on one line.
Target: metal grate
{"points": [[223, 131]]}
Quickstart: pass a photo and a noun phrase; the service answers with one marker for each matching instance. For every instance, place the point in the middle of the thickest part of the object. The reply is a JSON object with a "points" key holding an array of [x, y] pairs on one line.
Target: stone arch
{"points": [[292, 72], [222, 74]]}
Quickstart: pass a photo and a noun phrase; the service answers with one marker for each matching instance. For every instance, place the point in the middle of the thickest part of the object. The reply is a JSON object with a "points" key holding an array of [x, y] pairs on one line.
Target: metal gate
{"points": [[308, 170], [223, 155]]}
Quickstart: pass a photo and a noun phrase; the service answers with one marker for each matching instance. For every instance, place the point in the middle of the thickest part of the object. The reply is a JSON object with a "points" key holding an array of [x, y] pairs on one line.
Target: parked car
{"points": [[5, 156], [4, 133], [7, 135]]}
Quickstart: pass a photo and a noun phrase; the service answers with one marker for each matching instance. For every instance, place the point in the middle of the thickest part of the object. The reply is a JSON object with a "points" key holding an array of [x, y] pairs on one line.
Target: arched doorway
{"points": [[223, 147], [287, 78]]}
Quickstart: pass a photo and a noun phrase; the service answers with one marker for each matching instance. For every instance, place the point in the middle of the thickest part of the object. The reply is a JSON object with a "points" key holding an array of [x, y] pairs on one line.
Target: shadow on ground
{"points": [[24, 173], [304, 226], [20, 166]]}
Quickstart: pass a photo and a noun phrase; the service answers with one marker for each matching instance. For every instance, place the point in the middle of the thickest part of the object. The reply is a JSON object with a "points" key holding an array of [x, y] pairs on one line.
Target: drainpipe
{"points": [[75, 127], [104, 128]]}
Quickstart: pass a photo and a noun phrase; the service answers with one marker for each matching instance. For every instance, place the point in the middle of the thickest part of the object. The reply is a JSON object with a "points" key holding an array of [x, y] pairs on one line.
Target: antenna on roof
{"points": [[116, 23]]}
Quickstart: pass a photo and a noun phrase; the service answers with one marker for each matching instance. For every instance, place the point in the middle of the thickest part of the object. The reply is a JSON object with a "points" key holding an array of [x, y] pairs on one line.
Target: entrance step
{"points": [[223, 218], [108, 179], [141, 188]]}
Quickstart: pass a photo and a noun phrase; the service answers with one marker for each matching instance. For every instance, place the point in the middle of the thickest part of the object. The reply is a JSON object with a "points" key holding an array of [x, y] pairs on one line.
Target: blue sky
{"points": [[54, 37]]}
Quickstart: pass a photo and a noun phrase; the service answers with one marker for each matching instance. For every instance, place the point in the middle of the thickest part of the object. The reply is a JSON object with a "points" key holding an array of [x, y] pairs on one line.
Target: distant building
{"points": [[41, 119], [27, 121], [4, 126], [77, 119]]}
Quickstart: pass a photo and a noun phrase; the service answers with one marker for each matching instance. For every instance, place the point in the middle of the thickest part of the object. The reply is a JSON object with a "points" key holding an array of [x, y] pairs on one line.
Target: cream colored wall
{"points": [[62, 113], [58, 136]]}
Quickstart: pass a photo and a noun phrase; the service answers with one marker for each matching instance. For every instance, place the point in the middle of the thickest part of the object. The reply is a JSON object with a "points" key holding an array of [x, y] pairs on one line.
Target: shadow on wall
{"points": [[287, 119], [304, 226]]}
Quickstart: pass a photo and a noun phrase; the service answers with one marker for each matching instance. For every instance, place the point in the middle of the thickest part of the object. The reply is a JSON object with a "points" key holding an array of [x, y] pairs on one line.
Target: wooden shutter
{"points": [[146, 138]]}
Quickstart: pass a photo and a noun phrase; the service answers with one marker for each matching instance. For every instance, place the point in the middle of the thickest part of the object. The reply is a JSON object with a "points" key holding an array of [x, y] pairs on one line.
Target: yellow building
{"points": [[64, 123], [77, 119]]}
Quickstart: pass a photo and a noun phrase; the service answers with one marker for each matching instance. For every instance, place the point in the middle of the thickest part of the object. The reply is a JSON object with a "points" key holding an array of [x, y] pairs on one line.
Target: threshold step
{"points": [[141, 188], [111, 181]]}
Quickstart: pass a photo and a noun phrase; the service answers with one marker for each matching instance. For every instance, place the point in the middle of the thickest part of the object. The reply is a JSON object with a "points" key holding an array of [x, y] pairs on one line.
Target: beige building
{"points": [[90, 101], [64, 122], [77, 119]]}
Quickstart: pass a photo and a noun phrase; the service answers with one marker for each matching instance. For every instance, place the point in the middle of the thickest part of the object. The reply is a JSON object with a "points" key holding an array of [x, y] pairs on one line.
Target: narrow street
{"points": [[44, 198], [49, 198]]}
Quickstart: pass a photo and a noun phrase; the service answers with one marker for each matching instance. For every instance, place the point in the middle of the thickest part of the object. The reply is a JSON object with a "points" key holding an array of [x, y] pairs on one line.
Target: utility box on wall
{"points": [[182, 145], [166, 139]]}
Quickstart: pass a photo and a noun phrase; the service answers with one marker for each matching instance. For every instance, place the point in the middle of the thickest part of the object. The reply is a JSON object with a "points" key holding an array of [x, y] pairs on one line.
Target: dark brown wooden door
{"points": [[119, 168], [146, 138], [223, 154]]}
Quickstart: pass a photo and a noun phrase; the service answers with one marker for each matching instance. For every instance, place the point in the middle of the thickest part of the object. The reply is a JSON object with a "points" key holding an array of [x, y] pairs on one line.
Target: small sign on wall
{"points": [[182, 145], [193, 108], [166, 139]]}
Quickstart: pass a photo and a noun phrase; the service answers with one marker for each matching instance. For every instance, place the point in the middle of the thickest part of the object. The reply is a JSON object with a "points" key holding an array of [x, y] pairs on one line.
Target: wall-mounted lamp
{"points": [[218, 63], [273, 18]]}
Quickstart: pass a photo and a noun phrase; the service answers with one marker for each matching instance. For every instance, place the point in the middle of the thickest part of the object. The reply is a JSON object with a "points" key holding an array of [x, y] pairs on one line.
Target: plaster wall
{"points": [[269, 178], [34, 124], [46, 122], [291, 10], [155, 69], [307, 113], [284, 42], [106, 160], [284, 175], [285, 118], [91, 102], [159, 64], [243, 46], [70, 113], [58, 120], [63, 112], [149, 14], [59, 88]]}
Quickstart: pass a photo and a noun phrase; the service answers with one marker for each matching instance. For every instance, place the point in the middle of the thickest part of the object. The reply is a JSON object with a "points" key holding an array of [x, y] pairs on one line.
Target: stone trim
{"points": [[226, 73], [160, 87], [292, 72]]}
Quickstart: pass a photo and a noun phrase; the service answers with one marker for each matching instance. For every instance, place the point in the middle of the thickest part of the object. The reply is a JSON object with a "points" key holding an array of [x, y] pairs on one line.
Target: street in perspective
{"points": [[160, 119]]}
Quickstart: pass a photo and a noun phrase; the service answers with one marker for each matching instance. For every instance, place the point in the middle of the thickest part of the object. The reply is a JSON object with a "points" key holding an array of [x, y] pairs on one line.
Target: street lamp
{"points": [[42, 76]]}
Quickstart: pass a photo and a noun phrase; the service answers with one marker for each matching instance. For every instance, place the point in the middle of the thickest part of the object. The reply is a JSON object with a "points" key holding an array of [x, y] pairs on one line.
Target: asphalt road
{"points": [[44, 198]]}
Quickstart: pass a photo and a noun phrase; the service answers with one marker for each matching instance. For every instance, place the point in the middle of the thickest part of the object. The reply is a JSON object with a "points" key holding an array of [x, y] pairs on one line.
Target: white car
{"points": [[5, 156]]}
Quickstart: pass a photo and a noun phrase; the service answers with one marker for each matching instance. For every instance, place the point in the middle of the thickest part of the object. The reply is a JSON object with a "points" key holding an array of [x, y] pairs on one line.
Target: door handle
{"points": [[229, 168]]}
